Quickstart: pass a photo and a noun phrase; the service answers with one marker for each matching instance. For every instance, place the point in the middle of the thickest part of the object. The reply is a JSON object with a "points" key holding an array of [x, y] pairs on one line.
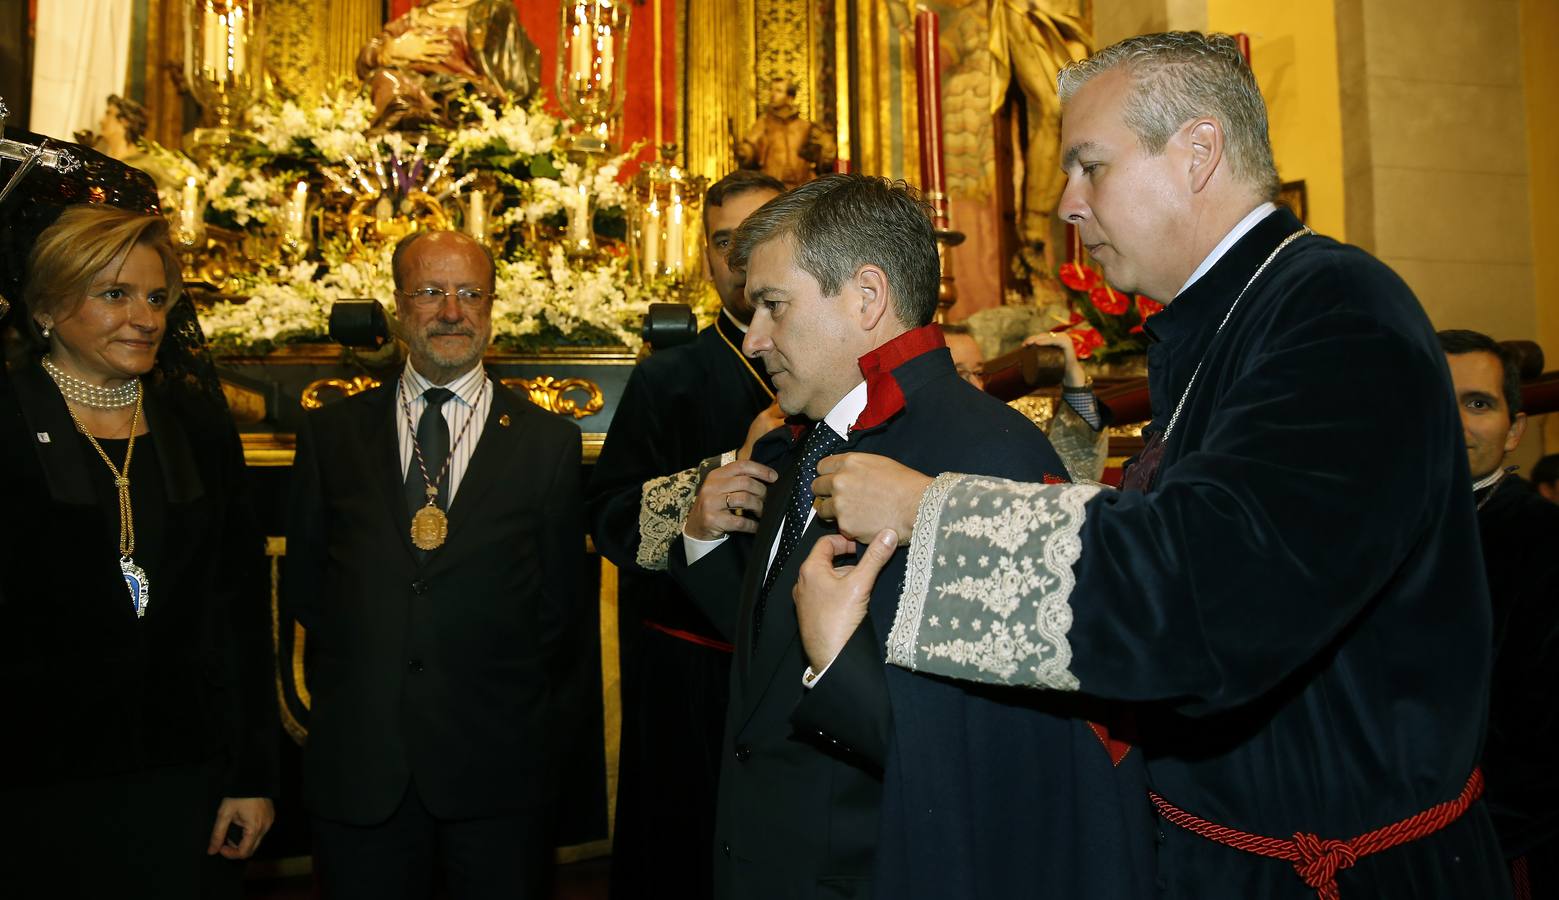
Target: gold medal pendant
{"points": [[429, 527]]}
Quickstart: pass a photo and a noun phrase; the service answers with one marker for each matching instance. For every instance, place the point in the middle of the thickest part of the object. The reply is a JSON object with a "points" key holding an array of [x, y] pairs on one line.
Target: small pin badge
{"points": [[504, 420], [43, 437]]}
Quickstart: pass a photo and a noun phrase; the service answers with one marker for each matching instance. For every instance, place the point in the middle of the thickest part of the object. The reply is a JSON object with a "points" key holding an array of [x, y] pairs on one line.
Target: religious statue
{"points": [[783, 144], [441, 50], [120, 134]]}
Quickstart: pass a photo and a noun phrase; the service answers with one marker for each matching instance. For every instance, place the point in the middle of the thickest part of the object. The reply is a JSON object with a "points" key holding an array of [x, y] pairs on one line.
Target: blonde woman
{"points": [[141, 747]]}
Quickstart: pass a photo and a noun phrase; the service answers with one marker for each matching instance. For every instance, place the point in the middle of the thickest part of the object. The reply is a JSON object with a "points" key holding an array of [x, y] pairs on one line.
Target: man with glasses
{"points": [[435, 559]]}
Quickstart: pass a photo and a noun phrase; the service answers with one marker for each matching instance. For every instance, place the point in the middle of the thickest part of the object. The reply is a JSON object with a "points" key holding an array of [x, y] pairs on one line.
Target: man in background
{"points": [[1520, 536], [434, 556], [681, 405]]}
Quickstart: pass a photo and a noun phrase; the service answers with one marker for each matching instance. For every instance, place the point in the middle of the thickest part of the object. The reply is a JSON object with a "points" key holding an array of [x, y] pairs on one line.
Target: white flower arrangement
{"points": [[332, 130], [543, 298]]}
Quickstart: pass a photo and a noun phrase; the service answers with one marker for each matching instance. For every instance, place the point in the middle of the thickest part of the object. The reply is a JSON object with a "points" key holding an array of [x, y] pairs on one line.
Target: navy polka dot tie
{"points": [[820, 442]]}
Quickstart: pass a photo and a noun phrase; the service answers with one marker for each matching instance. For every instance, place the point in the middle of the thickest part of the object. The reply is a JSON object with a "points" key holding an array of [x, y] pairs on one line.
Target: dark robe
{"points": [[1296, 608], [681, 406], [1521, 552], [802, 810]]}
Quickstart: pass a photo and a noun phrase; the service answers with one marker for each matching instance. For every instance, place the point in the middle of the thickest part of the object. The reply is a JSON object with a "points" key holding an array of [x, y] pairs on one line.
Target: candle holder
{"points": [[189, 227], [592, 67], [663, 220], [478, 207], [223, 65], [296, 221]]}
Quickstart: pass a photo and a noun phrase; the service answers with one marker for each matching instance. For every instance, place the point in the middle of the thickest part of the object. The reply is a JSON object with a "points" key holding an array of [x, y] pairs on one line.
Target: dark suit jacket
{"points": [[457, 671], [89, 689], [799, 803]]}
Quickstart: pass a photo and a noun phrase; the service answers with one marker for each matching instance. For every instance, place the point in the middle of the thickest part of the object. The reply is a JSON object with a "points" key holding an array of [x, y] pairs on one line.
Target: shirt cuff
{"points": [[696, 549], [809, 678]]}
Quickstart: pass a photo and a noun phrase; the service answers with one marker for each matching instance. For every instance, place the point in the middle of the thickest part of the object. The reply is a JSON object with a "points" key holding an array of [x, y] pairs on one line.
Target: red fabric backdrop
{"points": [[540, 19]]}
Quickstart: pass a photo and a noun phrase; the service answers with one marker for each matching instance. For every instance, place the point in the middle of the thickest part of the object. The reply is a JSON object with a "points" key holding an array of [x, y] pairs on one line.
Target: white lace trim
{"points": [[663, 507], [1002, 616], [903, 637]]}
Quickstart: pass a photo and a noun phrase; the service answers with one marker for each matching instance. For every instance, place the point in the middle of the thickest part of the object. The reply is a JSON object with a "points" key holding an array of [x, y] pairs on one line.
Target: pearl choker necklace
{"points": [[79, 391]]}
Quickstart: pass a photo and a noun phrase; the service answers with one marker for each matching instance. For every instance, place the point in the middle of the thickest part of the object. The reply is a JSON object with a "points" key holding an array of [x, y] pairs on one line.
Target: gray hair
{"points": [[1178, 76], [842, 222]]}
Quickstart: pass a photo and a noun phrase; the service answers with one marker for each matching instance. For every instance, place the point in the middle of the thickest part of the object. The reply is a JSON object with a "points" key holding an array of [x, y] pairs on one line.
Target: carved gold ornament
{"points": [[314, 396], [548, 393]]}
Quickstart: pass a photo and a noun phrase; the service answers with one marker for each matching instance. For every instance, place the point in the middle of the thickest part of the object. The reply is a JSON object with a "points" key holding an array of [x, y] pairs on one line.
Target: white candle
{"points": [[579, 55], [189, 209], [238, 43], [652, 239], [604, 43], [476, 215], [579, 219], [298, 211], [212, 23], [675, 252]]}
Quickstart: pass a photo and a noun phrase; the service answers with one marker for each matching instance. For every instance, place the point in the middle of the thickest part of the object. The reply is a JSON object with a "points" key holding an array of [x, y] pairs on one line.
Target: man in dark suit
{"points": [[843, 274], [434, 556], [682, 405]]}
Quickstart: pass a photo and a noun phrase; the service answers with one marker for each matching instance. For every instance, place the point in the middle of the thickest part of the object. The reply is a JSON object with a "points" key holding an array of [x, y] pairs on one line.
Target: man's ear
{"points": [[1518, 427], [1205, 140], [871, 283]]}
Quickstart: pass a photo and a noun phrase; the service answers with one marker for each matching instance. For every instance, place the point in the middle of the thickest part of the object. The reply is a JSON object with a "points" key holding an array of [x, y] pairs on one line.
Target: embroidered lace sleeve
{"points": [[987, 591], [663, 507]]}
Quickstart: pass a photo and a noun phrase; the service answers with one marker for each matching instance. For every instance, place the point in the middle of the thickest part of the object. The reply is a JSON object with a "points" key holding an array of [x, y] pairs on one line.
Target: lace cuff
{"points": [[663, 507], [988, 585]]}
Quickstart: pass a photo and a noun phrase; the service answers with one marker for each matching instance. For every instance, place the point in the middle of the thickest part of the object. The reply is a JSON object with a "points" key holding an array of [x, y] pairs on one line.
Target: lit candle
{"points": [[213, 23], [238, 44], [189, 209], [579, 219], [579, 50], [652, 240], [604, 44], [675, 252], [476, 215], [298, 211]]}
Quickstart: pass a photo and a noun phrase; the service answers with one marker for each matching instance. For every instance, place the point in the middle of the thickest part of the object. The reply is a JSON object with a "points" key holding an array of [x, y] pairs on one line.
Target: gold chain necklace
{"points": [[135, 576], [430, 524]]}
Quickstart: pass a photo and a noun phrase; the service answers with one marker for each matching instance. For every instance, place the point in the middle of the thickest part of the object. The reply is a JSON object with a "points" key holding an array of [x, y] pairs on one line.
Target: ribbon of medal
{"points": [[135, 578], [430, 524]]}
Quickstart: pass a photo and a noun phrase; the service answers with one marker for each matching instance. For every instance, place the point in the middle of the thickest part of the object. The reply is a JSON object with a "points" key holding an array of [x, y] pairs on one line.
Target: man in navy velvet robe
{"points": [[1289, 593]]}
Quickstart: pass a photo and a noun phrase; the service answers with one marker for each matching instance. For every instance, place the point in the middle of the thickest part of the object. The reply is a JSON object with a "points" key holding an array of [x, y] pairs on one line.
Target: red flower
{"points": [[1108, 300], [1073, 319], [1147, 306], [1085, 341], [1079, 277]]}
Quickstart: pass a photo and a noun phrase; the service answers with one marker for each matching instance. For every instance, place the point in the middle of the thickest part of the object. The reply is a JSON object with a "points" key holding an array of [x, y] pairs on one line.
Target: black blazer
{"points": [[88, 688], [458, 671], [802, 779]]}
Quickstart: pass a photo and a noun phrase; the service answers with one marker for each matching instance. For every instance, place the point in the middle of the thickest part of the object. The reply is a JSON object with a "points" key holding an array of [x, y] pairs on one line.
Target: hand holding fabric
{"points": [[727, 492], [865, 494], [832, 602]]}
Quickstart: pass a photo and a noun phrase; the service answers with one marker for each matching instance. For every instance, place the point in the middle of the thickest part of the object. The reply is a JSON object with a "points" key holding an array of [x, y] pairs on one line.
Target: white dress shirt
{"points": [[1250, 221], [465, 412], [841, 418]]}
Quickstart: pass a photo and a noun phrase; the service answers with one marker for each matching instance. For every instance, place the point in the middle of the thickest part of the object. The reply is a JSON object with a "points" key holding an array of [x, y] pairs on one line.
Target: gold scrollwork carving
{"points": [[314, 395], [548, 393]]}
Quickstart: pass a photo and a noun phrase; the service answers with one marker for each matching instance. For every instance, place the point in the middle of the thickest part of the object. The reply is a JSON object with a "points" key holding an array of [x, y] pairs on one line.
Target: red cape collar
{"points": [[884, 397]]}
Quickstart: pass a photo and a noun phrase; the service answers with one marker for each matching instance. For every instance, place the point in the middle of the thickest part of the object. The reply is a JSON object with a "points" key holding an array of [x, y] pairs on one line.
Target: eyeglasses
{"points": [[432, 298]]}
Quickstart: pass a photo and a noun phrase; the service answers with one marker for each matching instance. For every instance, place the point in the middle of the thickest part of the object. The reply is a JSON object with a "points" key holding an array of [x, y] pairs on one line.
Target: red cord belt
{"points": [[1318, 860], [690, 637]]}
